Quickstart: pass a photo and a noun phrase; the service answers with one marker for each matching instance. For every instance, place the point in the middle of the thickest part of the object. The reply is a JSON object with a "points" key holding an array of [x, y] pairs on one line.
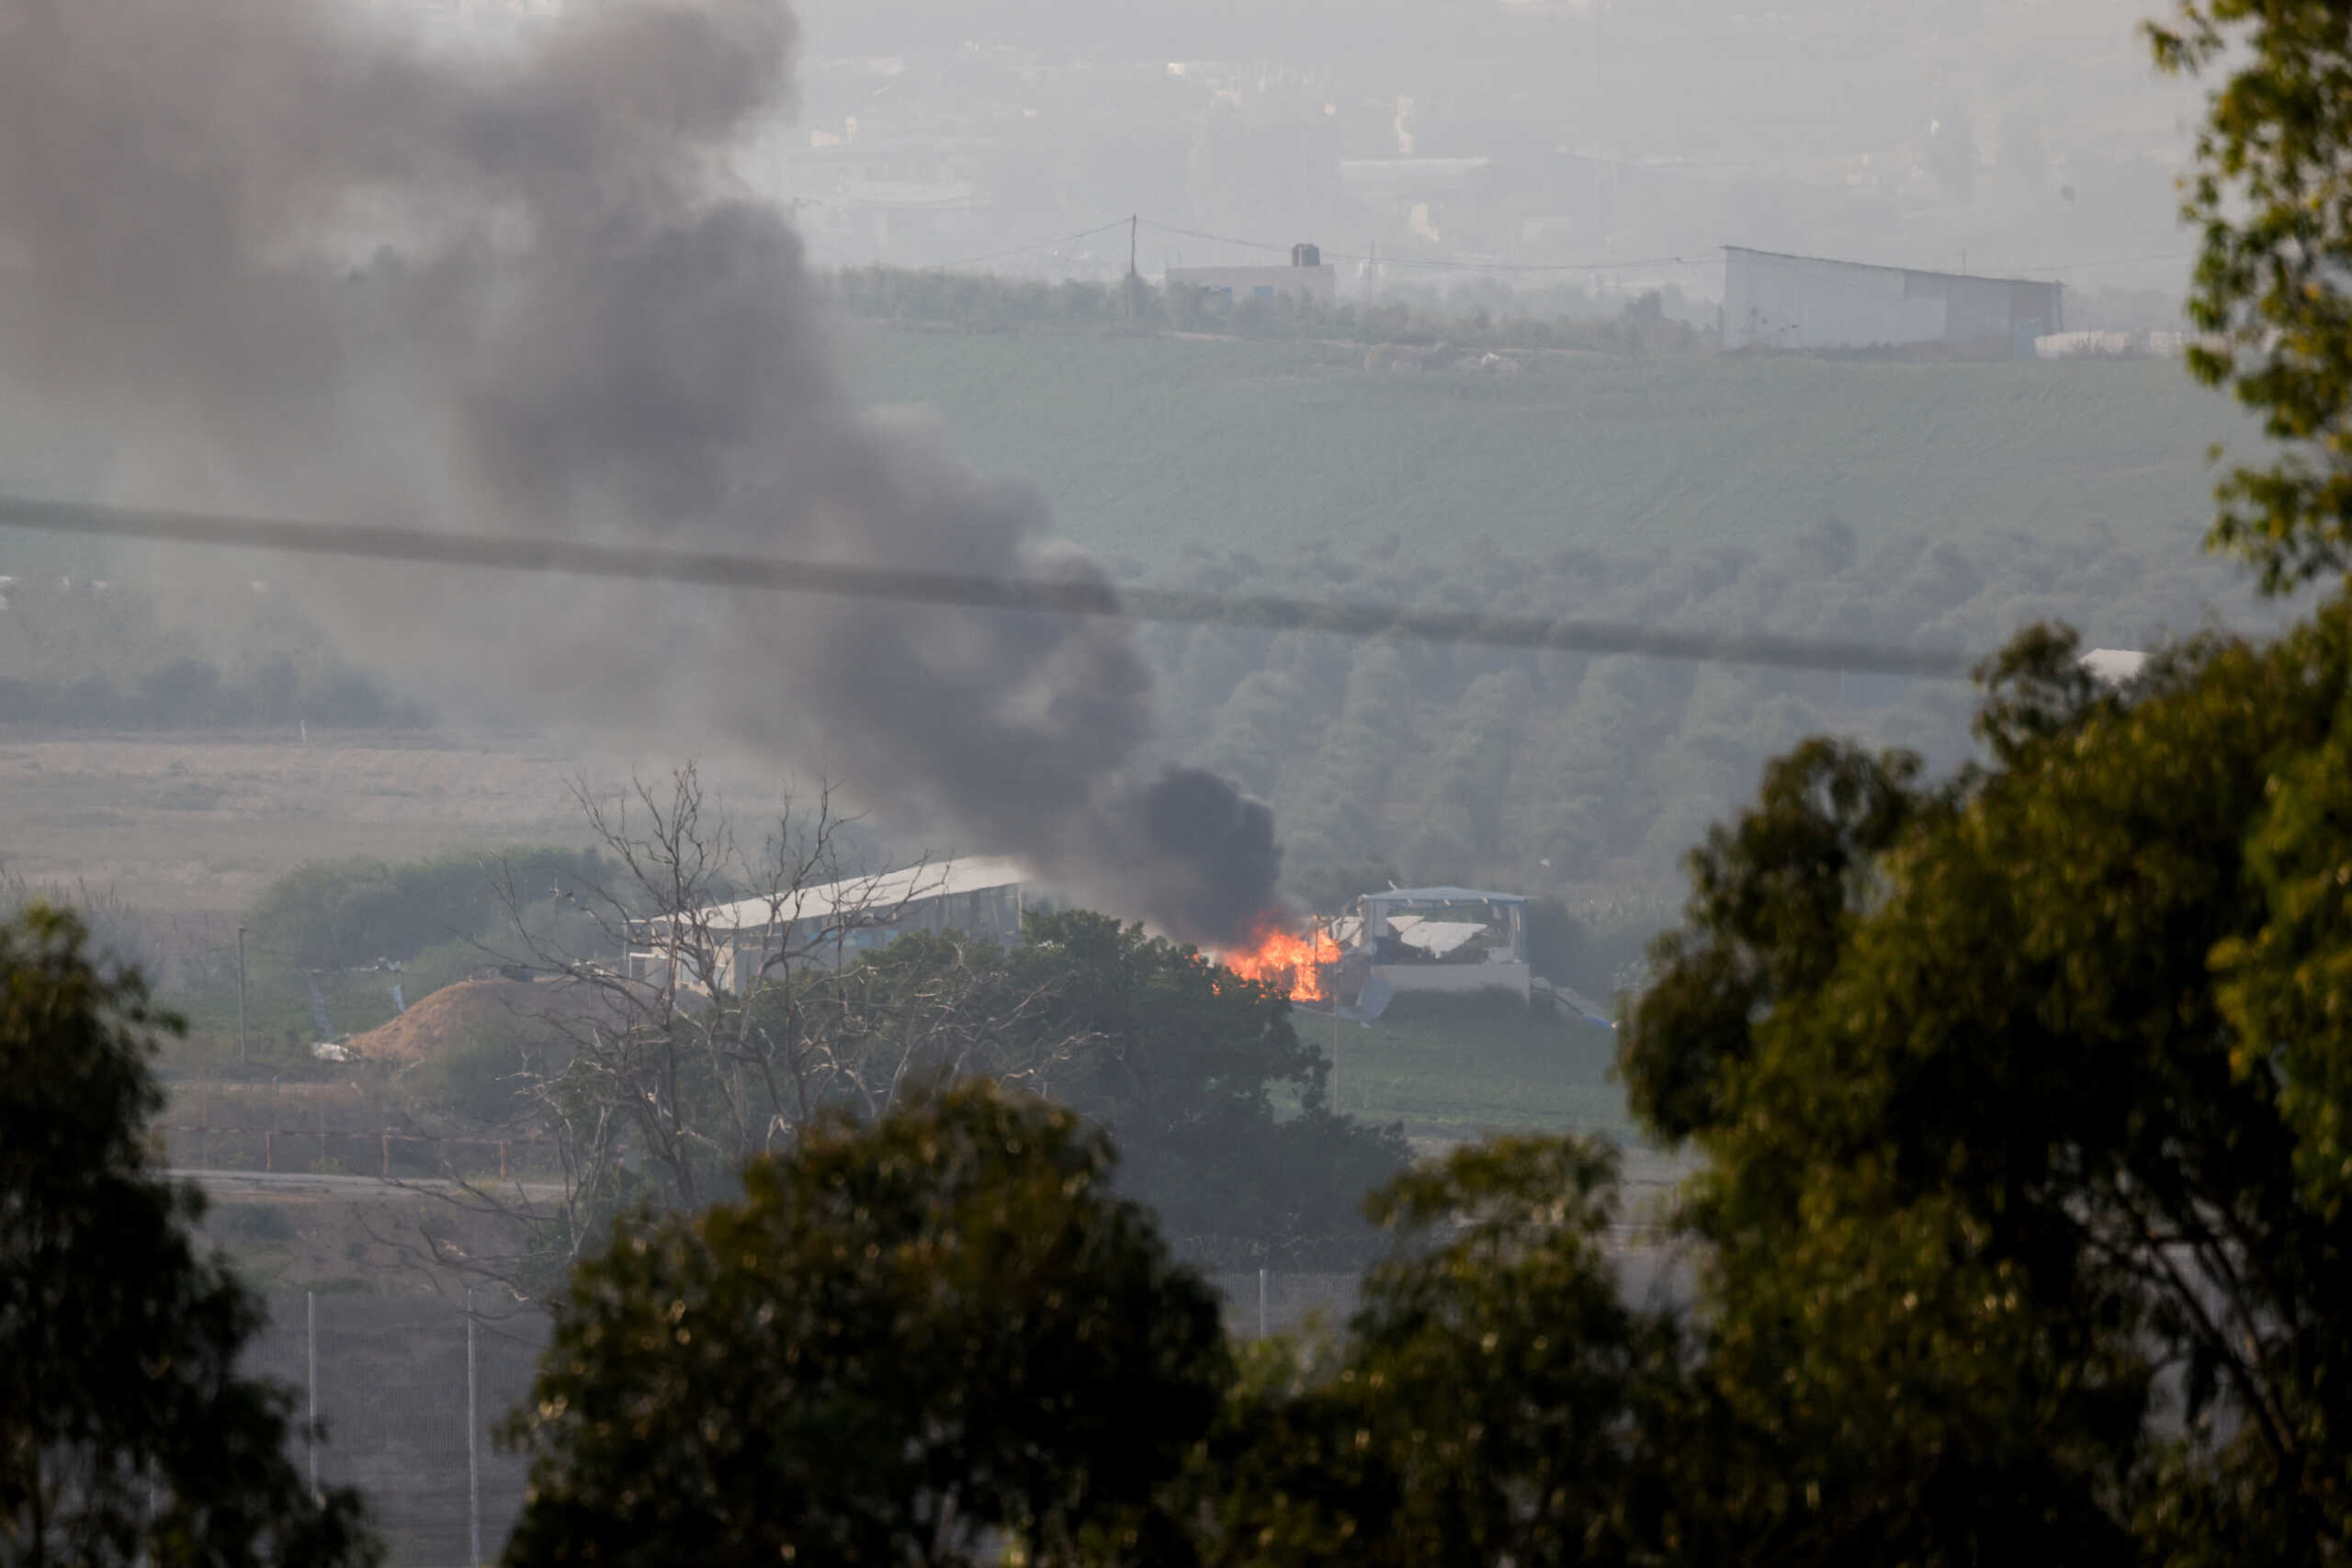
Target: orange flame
{"points": [[1293, 963]]}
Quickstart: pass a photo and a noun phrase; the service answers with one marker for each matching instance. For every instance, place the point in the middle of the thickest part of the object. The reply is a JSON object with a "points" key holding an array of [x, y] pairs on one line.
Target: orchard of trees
{"points": [[85, 653], [1568, 774]]}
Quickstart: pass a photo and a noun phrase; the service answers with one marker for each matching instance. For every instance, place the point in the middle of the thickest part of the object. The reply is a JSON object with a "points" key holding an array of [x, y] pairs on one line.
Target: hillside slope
{"points": [[1146, 445]]}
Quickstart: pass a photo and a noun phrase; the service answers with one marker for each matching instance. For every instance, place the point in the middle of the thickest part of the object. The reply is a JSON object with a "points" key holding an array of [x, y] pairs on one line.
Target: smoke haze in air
{"points": [[579, 324]]}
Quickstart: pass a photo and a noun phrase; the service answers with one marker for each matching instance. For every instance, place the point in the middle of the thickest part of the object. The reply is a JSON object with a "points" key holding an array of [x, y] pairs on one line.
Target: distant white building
{"points": [[1307, 279], [1775, 301], [2115, 666], [835, 921], [1440, 938]]}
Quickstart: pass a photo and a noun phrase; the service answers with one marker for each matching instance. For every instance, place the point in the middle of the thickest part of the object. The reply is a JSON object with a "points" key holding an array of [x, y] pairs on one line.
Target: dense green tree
{"points": [[2018, 1099], [1217, 1103], [1495, 1400], [919, 1340], [338, 914], [2272, 195], [127, 1434]]}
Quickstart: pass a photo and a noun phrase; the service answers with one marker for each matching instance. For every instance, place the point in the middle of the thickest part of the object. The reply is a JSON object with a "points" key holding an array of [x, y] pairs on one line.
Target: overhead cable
{"points": [[1024, 250], [973, 591]]}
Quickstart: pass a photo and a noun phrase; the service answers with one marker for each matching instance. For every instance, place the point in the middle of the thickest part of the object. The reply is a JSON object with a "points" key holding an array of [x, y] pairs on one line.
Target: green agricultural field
{"points": [[1147, 446], [1461, 1067]]}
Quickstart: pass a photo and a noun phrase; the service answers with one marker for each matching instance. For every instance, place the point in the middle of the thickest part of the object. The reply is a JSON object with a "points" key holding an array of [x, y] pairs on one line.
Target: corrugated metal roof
{"points": [[1881, 267], [882, 892]]}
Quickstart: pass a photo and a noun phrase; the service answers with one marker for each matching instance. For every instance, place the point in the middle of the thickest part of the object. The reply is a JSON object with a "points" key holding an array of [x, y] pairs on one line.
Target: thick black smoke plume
{"points": [[298, 260]]}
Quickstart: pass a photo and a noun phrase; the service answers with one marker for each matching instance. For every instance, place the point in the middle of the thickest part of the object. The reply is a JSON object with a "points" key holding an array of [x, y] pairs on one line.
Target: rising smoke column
{"points": [[575, 325]]}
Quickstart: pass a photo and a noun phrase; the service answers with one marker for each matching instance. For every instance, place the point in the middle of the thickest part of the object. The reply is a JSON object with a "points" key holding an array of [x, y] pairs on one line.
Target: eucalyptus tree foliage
{"points": [[1494, 1398], [2022, 1104], [935, 1339], [127, 1436], [2271, 195]]}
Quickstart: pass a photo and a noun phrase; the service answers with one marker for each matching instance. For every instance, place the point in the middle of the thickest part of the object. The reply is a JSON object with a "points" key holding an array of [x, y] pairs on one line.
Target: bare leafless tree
{"points": [[710, 998]]}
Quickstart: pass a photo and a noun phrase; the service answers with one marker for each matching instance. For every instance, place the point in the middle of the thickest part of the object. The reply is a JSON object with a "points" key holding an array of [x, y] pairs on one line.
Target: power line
{"points": [[972, 591], [1024, 250]]}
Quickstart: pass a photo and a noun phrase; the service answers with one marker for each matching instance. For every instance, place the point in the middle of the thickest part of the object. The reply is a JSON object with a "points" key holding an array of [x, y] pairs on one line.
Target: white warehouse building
{"points": [[1808, 303]]}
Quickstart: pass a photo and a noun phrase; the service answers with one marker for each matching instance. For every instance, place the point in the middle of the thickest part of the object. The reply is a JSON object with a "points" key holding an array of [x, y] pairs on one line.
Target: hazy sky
{"points": [[2026, 136]]}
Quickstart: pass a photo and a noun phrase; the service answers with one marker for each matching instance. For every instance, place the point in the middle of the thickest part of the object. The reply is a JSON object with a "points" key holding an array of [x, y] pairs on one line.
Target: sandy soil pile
{"points": [[470, 1011]]}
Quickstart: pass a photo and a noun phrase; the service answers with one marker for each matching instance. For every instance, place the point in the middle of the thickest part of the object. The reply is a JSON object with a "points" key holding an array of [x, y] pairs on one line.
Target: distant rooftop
{"points": [[2114, 665], [1881, 266], [882, 891], [1448, 894]]}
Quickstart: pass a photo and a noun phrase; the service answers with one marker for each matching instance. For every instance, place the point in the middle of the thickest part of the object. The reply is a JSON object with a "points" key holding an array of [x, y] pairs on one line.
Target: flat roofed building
{"points": [[1307, 279]]}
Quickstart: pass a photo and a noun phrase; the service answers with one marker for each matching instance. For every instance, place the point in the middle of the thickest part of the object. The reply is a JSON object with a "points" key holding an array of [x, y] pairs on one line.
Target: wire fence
{"points": [[305, 1151], [331, 1130], [410, 1391]]}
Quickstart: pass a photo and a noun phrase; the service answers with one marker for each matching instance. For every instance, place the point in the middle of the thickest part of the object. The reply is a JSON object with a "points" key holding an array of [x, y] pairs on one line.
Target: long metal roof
{"points": [[882, 892], [1881, 266]]}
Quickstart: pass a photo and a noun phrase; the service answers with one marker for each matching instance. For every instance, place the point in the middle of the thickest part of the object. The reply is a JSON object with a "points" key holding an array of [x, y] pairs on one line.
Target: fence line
{"points": [[408, 1392], [380, 1145]]}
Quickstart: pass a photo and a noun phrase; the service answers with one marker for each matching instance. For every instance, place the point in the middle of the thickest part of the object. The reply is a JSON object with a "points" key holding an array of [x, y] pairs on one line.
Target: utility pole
{"points": [[1132, 221], [310, 1384], [240, 995], [1334, 931], [473, 1436], [1334, 1053]]}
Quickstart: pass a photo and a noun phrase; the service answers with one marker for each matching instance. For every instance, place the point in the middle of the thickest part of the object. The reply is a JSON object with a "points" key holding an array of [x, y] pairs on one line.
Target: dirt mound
{"points": [[473, 1011]]}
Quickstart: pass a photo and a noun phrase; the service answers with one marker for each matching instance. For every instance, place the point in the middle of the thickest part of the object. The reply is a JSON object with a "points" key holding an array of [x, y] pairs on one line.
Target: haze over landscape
{"points": [[183, 733], [526, 928]]}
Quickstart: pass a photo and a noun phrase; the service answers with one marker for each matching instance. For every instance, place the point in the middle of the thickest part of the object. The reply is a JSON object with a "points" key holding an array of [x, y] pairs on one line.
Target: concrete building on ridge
{"points": [[1307, 279]]}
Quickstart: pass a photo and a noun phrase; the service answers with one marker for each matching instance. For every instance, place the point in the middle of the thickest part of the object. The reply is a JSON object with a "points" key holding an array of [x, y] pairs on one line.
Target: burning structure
{"points": [[1440, 938], [1408, 939], [1299, 962]]}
